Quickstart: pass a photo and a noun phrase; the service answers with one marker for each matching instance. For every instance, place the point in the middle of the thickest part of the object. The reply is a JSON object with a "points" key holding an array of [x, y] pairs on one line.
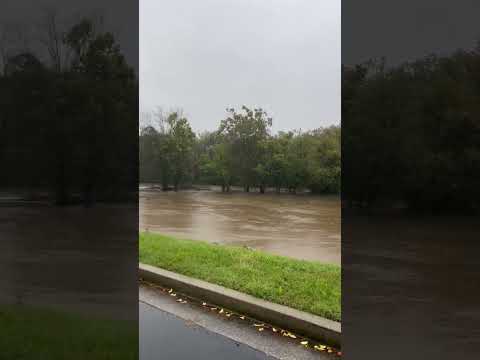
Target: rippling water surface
{"points": [[299, 226]]}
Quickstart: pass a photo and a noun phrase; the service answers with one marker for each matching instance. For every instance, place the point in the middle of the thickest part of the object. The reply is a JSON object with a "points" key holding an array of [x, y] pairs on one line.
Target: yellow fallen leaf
{"points": [[304, 342], [242, 317], [221, 311], [274, 330], [260, 329], [204, 304], [258, 325]]}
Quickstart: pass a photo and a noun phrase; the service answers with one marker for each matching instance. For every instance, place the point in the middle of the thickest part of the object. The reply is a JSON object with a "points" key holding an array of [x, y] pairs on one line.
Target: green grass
{"points": [[309, 286], [42, 334]]}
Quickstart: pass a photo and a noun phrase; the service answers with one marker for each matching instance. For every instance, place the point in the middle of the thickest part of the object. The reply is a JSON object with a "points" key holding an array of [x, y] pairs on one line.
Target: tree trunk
{"points": [[262, 189], [223, 188], [247, 188], [278, 189]]}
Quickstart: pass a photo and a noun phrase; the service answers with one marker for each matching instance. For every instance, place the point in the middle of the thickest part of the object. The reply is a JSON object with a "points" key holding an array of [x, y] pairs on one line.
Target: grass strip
{"points": [[304, 285], [43, 334]]}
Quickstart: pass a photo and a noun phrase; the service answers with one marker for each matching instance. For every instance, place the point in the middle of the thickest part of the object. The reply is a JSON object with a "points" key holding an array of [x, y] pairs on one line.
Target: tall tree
{"points": [[181, 139], [245, 131]]}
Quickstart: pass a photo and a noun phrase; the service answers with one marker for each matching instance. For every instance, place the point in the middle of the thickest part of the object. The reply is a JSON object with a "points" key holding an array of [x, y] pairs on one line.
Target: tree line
{"points": [[69, 114], [240, 152], [412, 133]]}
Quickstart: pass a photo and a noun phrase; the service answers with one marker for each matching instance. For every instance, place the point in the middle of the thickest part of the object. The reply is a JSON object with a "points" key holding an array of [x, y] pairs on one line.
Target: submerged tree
{"points": [[241, 152], [245, 131]]}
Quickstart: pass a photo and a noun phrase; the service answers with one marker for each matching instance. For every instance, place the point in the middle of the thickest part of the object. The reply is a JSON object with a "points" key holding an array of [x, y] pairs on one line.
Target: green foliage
{"points": [[243, 152], [166, 155], [244, 132], [415, 126], [179, 141], [219, 168], [77, 130]]}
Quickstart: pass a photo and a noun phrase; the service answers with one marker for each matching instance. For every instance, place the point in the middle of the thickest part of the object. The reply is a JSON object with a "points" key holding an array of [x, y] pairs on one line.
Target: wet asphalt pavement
{"points": [[170, 330], [164, 336]]}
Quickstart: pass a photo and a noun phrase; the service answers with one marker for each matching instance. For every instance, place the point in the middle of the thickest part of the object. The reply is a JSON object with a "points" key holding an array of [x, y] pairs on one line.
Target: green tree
{"points": [[245, 131], [91, 100], [325, 160], [180, 148], [220, 165]]}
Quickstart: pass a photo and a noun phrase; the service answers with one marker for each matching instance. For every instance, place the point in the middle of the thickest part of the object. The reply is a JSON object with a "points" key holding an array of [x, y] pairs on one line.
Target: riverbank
{"points": [[300, 227], [304, 285], [233, 189], [35, 333]]}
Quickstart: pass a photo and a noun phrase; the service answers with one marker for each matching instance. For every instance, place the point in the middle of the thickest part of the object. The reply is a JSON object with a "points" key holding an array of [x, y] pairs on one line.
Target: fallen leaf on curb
{"points": [[292, 336], [242, 317], [204, 304], [170, 291], [259, 325], [260, 329], [304, 342], [221, 311], [274, 330]]}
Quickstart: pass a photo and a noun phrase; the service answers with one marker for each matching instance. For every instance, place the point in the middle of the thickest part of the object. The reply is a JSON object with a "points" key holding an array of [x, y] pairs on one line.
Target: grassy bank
{"points": [[40, 334], [303, 285]]}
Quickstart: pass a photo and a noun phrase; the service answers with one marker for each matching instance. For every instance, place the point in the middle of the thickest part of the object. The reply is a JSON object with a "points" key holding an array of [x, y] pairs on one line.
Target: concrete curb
{"points": [[309, 325]]}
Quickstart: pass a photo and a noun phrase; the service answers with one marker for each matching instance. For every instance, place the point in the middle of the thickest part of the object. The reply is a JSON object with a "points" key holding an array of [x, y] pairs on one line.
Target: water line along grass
{"points": [[304, 285]]}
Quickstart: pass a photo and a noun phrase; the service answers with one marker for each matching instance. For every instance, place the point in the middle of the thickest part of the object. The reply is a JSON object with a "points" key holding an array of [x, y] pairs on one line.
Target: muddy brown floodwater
{"points": [[299, 226]]}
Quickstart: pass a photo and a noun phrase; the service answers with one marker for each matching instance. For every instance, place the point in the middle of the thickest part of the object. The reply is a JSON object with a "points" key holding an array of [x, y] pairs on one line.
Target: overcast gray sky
{"points": [[204, 56]]}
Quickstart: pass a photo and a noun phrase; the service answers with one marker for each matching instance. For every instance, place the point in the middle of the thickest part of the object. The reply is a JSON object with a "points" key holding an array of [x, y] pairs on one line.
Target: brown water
{"points": [[70, 258], [411, 287], [299, 226]]}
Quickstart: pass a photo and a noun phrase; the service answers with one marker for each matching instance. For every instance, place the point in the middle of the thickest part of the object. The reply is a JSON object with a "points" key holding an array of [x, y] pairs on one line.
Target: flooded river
{"points": [[411, 284], [299, 226]]}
